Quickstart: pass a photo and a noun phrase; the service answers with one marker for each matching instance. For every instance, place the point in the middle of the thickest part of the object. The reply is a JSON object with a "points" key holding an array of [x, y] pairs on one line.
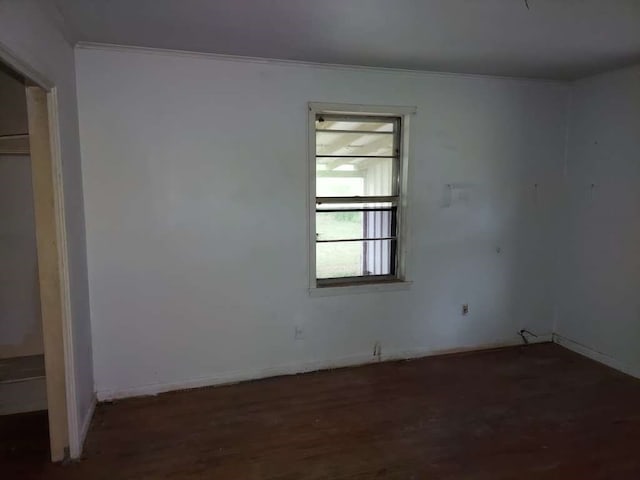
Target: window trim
{"points": [[398, 281]]}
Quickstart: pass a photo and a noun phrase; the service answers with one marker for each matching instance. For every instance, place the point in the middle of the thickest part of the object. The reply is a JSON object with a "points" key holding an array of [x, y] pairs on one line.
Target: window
{"points": [[356, 218]]}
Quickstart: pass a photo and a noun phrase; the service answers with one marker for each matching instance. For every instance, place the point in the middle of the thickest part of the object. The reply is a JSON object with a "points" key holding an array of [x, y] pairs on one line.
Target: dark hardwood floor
{"points": [[538, 412]]}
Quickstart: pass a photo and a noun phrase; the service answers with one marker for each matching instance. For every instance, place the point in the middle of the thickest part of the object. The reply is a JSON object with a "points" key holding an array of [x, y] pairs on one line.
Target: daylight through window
{"points": [[357, 197]]}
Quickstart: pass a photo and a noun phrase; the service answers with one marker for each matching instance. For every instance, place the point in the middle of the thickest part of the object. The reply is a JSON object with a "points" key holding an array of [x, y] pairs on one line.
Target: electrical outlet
{"points": [[465, 309], [298, 333]]}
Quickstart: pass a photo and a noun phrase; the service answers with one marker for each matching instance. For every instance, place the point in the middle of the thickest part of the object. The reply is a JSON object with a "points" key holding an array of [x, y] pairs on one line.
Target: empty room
{"points": [[339, 239]]}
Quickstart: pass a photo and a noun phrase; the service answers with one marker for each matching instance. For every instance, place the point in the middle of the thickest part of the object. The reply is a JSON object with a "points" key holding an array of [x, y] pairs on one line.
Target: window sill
{"points": [[332, 291]]}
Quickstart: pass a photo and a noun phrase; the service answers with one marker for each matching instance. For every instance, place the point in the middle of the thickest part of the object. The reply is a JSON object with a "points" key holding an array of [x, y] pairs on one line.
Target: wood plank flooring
{"points": [[537, 412]]}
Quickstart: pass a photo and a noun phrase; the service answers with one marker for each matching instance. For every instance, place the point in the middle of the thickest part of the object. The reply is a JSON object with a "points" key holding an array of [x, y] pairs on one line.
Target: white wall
{"points": [[20, 323], [600, 275], [195, 180], [28, 33]]}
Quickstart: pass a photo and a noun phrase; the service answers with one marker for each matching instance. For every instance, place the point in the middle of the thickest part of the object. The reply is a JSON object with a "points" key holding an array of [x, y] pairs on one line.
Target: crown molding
{"points": [[297, 63]]}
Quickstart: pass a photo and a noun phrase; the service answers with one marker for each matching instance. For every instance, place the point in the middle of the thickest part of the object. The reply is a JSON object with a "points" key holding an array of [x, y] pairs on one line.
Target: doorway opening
{"points": [[33, 373]]}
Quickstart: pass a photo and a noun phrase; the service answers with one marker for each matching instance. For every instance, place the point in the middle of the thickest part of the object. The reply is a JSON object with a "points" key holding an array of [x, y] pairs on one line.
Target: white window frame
{"points": [[399, 282]]}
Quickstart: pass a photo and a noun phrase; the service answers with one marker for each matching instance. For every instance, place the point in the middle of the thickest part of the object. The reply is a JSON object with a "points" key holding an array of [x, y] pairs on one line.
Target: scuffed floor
{"points": [[537, 412]]}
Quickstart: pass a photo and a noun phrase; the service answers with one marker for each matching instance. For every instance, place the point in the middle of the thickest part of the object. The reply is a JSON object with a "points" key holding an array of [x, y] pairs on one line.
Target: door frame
{"points": [[53, 263]]}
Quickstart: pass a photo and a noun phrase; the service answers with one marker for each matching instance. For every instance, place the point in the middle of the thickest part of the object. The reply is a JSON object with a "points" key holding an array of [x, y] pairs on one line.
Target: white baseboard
{"points": [[595, 355], [292, 369]]}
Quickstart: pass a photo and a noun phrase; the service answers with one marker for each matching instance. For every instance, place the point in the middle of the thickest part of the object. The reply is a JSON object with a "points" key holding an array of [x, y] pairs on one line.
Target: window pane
{"points": [[354, 225], [342, 177], [353, 143], [354, 259], [339, 186], [357, 125]]}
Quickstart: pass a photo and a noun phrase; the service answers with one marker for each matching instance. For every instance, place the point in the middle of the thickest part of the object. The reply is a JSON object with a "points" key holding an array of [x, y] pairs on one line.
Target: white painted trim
{"points": [[599, 357], [75, 443], [348, 108], [359, 289], [86, 423], [311, 195], [395, 111], [292, 369], [406, 154], [297, 63]]}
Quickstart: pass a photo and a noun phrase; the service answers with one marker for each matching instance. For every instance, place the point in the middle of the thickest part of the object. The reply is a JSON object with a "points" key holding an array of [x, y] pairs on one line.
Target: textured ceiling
{"points": [[555, 39]]}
